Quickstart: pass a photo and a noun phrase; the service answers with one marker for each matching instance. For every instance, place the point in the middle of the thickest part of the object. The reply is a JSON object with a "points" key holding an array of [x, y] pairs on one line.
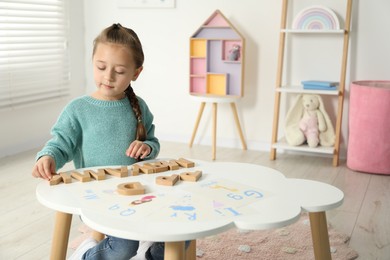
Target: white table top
{"points": [[227, 195]]}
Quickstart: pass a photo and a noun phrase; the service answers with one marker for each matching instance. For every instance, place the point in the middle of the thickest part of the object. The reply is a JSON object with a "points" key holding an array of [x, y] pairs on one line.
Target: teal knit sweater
{"points": [[94, 132]]}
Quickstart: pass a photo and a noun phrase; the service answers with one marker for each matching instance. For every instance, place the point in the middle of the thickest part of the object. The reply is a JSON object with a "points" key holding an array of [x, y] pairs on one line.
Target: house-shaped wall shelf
{"points": [[217, 58]]}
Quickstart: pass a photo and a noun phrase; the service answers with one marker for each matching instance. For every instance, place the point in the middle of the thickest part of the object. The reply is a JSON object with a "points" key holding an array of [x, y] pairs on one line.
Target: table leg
{"points": [[200, 113], [319, 233], [214, 136], [174, 250], [191, 251], [97, 235], [235, 114], [60, 236]]}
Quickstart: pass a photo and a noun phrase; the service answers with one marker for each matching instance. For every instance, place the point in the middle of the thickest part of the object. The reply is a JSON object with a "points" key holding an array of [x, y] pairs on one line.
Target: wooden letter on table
{"points": [[160, 166], [185, 163], [167, 180], [66, 177], [81, 177], [55, 179], [191, 176], [155, 167], [99, 175], [135, 170], [122, 172], [131, 188], [61, 177], [146, 168], [172, 164]]}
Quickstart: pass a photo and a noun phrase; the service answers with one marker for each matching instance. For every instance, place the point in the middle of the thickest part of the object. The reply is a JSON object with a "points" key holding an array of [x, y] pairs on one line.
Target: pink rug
{"points": [[292, 242]]}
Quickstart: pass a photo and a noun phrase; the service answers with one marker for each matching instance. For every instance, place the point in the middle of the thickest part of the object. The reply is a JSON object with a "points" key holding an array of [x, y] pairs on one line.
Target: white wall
{"points": [[165, 35], [163, 84], [27, 128]]}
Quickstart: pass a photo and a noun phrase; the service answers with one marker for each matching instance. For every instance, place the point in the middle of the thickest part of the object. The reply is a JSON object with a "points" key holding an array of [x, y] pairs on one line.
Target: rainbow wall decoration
{"points": [[316, 18]]}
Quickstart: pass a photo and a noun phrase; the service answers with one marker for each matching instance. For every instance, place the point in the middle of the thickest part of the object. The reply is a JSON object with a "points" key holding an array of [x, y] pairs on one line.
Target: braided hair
{"points": [[118, 34]]}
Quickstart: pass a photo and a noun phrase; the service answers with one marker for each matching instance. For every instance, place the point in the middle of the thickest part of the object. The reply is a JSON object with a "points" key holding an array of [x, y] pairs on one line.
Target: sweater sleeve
{"points": [[63, 144], [151, 139]]}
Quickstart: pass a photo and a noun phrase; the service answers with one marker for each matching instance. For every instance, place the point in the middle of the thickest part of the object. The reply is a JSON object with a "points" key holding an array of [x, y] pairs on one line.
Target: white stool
{"points": [[215, 100]]}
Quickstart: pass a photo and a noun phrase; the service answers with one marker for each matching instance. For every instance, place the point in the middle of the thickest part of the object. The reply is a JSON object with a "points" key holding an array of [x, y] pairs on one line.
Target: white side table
{"points": [[215, 100]]}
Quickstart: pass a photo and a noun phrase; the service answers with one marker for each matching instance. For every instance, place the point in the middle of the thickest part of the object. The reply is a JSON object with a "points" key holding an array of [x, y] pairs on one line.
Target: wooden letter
{"points": [[147, 168], [167, 180], [131, 188], [99, 175], [185, 163], [66, 178], [191, 176], [81, 177], [172, 164], [160, 167], [135, 170], [55, 179], [122, 172]]}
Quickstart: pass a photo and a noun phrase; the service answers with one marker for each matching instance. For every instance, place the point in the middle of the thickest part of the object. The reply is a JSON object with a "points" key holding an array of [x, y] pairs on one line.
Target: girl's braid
{"points": [[141, 131]]}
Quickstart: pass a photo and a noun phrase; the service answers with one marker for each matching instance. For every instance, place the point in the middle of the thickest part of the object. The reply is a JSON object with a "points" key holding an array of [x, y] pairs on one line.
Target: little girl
{"points": [[111, 127]]}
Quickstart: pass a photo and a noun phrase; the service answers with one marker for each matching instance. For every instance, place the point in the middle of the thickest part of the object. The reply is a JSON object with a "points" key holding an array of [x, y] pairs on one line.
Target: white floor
{"points": [[26, 226]]}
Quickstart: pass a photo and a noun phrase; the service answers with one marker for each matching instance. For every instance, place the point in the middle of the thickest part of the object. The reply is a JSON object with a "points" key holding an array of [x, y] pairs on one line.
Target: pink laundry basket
{"points": [[369, 127]]}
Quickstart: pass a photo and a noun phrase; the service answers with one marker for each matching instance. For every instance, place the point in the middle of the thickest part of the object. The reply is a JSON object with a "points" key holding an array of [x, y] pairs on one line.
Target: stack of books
{"points": [[319, 85]]}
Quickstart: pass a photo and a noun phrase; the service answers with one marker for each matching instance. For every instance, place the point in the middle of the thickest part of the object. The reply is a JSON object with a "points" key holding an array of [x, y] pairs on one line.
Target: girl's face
{"points": [[113, 69]]}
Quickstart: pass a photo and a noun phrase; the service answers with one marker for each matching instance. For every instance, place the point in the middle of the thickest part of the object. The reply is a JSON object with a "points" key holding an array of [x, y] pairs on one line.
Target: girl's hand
{"points": [[138, 150], [44, 168]]}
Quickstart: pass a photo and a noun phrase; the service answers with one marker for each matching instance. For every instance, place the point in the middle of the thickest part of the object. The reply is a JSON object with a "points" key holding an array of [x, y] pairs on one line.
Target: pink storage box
{"points": [[369, 127]]}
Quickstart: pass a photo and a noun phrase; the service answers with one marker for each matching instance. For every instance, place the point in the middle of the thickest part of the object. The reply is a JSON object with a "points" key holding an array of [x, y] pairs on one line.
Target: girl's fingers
{"points": [[47, 171], [138, 149]]}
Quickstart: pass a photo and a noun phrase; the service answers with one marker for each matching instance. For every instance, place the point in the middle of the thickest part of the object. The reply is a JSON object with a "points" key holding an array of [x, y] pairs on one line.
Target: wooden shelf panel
{"points": [[198, 84], [300, 90], [282, 144], [198, 48], [198, 66], [217, 83]]}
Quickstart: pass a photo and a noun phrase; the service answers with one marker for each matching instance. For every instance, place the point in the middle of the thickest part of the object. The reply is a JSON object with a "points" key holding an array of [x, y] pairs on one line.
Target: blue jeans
{"points": [[156, 251], [112, 248]]}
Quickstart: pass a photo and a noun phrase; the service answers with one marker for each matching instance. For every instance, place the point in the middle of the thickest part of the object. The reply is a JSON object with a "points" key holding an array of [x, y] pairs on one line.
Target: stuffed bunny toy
{"points": [[234, 53], [307, 121]]}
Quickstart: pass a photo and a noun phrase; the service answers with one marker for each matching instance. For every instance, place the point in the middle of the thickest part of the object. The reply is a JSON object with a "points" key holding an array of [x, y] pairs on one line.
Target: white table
{"points": [[228, 195]]}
